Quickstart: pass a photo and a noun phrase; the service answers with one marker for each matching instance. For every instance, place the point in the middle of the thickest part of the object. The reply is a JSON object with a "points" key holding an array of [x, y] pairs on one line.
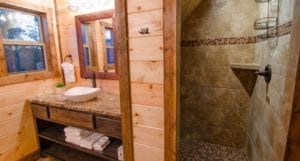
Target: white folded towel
{"points": [[120, 153], [89, 141], [76, 139], [73, 140], [75, 131], [81, 135], [101, 144]]}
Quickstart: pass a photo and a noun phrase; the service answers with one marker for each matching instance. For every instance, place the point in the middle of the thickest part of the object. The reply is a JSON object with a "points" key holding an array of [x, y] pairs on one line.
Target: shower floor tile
{"points": [[199, 151]]}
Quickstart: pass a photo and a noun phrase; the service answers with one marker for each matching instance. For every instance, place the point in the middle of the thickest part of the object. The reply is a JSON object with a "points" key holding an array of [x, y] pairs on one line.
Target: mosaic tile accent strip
{"points": [[281, 30], [199, 151]]}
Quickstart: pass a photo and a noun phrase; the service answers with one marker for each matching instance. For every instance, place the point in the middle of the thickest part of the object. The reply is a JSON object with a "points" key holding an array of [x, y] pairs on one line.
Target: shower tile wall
{"points": [[215, 106], [270, 111]]}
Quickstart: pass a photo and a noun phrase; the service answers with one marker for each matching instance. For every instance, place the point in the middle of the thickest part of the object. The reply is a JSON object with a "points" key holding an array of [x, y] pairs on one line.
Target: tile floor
{"points": [[198, 151]]}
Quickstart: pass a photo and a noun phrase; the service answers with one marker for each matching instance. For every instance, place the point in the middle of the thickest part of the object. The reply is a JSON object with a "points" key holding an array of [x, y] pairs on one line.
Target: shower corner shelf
{"points": [[246, 73], [265, 23], [246, 66]]}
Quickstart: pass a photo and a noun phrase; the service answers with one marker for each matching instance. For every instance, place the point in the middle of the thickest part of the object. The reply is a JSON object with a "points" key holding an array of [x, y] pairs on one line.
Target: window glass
{"points": [[84, 34], [109, 40], [16, 25], [22, 41], [24, 58], [110, 56], [109, 37], [87, 56]]}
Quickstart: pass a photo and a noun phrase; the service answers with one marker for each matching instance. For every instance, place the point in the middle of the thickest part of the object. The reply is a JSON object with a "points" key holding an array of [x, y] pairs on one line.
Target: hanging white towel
{"points": [[69, 72]]}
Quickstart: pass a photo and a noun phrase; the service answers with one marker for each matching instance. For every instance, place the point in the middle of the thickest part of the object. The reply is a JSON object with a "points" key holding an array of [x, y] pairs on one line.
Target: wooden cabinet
{"points": [[78, 119], [51, 122], [108, 126], [40, 111]]}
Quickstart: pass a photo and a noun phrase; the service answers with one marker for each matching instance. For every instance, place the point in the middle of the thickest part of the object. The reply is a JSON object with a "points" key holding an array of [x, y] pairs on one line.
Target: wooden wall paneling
{"points": [[149, 136], [148, 116], [22, 138], [148, 153], [172, 32], [27, 136], [28, 77], [149, 48], [147, 94], [124, 79], [150, 19], [15, 124], [147, 78], [13, 111], [140, 6], [147, 72]]}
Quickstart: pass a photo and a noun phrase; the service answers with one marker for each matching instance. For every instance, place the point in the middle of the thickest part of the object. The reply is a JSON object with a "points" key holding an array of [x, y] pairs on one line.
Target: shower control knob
{"points": [[267, 73]]}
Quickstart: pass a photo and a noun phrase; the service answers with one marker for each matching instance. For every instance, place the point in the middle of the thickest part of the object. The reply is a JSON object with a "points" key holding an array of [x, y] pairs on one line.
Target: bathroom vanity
{"points": [[52, 114]]}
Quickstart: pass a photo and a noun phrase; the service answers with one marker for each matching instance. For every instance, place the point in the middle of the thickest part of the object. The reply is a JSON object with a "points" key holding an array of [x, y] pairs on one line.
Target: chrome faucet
{"points": [[94, 84]]}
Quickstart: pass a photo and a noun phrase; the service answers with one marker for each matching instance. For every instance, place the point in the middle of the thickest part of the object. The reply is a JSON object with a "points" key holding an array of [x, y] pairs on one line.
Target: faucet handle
{"points": [[93, 74], [93, 77], [266, 73]]}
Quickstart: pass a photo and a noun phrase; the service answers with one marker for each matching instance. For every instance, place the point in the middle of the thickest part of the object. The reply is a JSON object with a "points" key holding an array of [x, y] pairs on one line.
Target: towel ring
{"points": [[70, 58]]}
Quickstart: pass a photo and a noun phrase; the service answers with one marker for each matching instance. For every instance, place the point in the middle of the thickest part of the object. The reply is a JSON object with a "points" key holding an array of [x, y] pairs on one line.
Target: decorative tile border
{"points": [[281, 30]]}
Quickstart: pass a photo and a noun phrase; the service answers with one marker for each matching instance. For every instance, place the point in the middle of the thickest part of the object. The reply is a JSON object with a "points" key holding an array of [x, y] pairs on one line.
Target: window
{"points": [[27, 44], [86, 46], [110, 51], [23, 42]]}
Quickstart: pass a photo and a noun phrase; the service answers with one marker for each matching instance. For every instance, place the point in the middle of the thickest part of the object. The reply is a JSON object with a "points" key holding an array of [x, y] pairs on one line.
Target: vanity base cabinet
{"points": [[52, 141]]}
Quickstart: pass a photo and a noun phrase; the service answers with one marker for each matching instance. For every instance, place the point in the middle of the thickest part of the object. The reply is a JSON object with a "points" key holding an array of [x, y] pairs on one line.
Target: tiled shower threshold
{"points": [[199, 151]]}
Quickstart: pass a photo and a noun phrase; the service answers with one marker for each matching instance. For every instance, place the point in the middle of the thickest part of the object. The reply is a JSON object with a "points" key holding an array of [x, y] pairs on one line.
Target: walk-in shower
{"points": [[228, 113]]}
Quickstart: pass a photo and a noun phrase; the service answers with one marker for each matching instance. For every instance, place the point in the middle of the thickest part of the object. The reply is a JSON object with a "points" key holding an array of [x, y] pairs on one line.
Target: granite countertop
{"points": [[104, 104]]}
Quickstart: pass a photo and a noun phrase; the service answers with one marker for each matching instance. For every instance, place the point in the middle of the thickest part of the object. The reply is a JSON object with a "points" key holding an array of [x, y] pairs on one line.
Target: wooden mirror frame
{"points": [[81, 19]]}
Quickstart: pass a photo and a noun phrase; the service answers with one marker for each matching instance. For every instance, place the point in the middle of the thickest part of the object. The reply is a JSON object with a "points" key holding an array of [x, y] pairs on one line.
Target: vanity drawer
{"points": [[109, 126], [73, 118], [40, 111]]}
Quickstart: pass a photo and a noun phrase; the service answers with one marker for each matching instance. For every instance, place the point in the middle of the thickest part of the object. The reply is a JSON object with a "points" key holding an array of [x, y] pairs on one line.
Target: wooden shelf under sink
{"points": [[246, 66], [56, 135], [62, 153]]}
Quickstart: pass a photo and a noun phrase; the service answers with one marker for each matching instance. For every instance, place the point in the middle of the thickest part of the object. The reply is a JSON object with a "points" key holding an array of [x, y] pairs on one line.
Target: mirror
{"points": [[96, 44]]}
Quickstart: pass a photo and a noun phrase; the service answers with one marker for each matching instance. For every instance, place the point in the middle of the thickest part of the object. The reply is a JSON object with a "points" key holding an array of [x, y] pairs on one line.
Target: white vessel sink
{"points": [[80, 94]]}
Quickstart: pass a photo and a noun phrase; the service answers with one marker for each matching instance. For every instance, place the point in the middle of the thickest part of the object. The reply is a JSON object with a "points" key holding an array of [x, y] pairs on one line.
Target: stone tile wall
{"points": [[271, 109], [215, 107]]}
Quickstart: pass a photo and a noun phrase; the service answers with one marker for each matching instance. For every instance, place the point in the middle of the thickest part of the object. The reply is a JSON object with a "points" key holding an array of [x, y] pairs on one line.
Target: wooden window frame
{"points": [[104, 26], [47, 41]]}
